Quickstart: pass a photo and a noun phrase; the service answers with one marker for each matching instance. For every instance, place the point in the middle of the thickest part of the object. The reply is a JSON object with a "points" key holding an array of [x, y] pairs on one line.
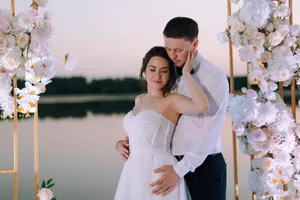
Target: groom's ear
{"points": [[196, 43]]}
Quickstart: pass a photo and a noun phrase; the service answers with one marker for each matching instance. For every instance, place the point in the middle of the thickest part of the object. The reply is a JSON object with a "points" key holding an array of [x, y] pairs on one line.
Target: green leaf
{"points": [[53, 198], [50, 186], [49, 181], [43, 185]]}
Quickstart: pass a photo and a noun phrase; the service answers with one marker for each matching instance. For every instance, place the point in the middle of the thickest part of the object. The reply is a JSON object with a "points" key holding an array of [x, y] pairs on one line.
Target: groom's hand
{"points": [[122, 148], [167, 182]]}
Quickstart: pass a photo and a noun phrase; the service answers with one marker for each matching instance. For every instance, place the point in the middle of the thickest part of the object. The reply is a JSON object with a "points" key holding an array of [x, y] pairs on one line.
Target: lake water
{"points": [[78, 152]]}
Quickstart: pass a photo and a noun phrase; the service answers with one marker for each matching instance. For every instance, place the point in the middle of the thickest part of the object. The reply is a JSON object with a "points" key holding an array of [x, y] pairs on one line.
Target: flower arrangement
{"points": [[25, 51], [264, 125]]}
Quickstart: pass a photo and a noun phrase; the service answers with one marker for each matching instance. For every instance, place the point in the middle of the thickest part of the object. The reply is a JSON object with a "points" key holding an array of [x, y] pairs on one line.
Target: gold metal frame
{"points": [[293, 101], [15, 169]]}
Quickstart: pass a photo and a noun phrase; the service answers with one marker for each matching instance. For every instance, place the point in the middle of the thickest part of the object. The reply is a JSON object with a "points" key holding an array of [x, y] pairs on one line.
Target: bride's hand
{"points": [[189, 64]]}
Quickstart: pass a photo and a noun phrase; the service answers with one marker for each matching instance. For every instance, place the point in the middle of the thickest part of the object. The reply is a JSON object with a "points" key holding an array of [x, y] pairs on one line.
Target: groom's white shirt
{"points": [[197, 136]]}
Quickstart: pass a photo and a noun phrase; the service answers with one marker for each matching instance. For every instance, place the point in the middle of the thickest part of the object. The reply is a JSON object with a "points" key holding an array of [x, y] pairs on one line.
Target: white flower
{"points": [[253, 180], [252, 94], [41, 3], [255, 13], [267, 113], [250, 33], [8, 107], [22, 40], [4, 25], [280, 21], [270, 27], [44, 27], [238, 128], [238, 26], [275, 38], [8, 41], [32, 78], [265, 56], [47, 16], [232, 19], [282, 11], [259, 40], [235, 39], [244, 90], [267, 164], [270, 95], [11, 59], [70, 62], [295, 30], [45, 194], [26, 21], [272, 86], [246, 53], [283, 29], [223, 37], [289, 41]]}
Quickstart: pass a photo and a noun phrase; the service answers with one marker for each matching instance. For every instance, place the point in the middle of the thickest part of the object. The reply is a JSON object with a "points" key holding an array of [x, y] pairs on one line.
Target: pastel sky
{"points": [[111, 37]]}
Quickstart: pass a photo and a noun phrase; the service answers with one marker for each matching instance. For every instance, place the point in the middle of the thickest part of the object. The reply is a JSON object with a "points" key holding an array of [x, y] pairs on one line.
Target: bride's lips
{"points": [[158, 82]]}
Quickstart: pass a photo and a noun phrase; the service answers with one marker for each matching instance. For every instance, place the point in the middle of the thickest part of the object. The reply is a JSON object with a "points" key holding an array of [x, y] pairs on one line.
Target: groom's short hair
{"points": [[181, 27]]}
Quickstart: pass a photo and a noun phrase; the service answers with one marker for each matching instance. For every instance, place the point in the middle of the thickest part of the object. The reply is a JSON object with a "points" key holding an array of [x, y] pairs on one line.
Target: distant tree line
{"points": [[80, 85]]}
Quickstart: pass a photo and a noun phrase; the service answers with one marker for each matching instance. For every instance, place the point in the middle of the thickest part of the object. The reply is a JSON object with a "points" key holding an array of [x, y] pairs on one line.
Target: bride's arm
{"points": [[198, 102]]}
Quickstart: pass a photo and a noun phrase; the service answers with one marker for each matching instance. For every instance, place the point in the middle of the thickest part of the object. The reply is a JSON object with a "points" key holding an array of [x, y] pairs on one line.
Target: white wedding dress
{"points": [[150, 136]]}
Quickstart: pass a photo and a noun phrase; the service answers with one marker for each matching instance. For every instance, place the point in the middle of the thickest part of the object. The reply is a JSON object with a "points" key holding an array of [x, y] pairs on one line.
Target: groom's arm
{"points": [[122, 148], [204, 146]]}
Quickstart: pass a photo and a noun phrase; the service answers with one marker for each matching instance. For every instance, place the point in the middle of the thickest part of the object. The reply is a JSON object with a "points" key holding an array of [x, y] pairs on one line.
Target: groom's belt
{"points": [[180, 157]]}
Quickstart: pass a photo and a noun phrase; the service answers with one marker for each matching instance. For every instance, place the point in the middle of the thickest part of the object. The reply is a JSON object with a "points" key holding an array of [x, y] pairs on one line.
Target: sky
{"points": [[110, 38]]}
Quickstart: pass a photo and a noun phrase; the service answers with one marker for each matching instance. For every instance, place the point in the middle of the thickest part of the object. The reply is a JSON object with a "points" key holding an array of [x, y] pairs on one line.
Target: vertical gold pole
{"points": [[12, 8], [293, 85], [36, 153], [36, 142], [236, 186], [15, 141]]}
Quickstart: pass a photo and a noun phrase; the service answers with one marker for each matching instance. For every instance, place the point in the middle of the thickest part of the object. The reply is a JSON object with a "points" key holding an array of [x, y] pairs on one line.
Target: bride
{"points": [[151, 123]]}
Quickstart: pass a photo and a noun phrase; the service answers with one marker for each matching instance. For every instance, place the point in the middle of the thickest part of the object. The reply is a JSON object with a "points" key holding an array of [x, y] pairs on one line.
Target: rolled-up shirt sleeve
{"points": [[204, 129]]}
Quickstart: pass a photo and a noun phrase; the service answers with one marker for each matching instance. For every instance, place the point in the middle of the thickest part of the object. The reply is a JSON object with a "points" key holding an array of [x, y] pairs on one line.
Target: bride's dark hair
{"points": [[160, 52]]}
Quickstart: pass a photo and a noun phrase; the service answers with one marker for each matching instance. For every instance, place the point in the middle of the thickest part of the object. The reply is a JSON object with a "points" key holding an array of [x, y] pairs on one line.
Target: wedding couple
{"points": [[173, 151]]}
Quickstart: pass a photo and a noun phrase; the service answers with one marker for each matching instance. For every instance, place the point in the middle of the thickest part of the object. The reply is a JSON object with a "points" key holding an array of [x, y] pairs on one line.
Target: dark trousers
{"points": [[208, 181]]}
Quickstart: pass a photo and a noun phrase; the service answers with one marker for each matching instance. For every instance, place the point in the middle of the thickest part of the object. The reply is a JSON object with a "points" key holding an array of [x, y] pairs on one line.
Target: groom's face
{"points": [[178, 49]]}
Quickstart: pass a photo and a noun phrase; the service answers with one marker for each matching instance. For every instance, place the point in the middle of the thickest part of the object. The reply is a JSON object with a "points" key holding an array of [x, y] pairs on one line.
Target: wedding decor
{"points": [[45, 193], [25, 51], [264, 125]]}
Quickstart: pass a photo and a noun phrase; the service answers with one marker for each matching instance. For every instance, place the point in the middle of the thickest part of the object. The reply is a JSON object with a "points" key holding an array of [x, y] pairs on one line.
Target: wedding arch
{"points": [[25, 53], [269, 43]]}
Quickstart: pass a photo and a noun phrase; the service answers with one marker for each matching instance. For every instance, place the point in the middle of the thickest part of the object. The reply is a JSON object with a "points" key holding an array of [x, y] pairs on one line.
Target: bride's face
{"points": [[157, 73]]}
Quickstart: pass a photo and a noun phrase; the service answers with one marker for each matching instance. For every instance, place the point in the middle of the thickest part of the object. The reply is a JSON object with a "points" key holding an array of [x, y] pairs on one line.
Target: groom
{"points": [[196, 142]]}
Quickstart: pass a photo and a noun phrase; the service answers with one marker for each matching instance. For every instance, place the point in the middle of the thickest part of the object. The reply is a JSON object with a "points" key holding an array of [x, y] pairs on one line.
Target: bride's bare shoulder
{"points": [[139, 98]]}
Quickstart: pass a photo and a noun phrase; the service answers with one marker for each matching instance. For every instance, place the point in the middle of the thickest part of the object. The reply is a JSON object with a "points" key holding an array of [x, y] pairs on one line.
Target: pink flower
{"points": [[259, 135], [238, 128], [4, 25]]}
